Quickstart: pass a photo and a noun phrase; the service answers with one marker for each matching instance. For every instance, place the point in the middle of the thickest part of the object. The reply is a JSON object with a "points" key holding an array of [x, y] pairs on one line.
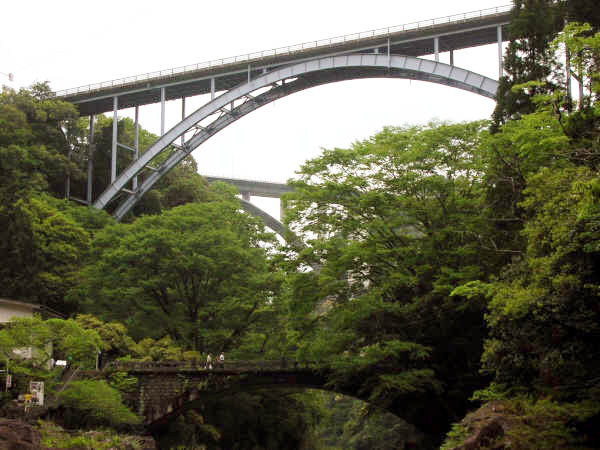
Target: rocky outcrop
{"points": [[486, 428], [18, 435], [147, 443]]}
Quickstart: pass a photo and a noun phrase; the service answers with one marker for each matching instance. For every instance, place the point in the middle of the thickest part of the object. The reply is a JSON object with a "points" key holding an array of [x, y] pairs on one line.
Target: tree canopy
{"points": [[432, 266], [198, 273]]}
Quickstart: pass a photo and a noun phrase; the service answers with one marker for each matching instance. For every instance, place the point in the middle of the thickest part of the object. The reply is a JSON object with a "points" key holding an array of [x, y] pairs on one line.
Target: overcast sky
{"points": [[73, 43]]}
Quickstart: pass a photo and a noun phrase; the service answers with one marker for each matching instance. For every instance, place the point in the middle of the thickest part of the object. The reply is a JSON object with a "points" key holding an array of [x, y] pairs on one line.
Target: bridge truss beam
{"points": [[222, 111]]}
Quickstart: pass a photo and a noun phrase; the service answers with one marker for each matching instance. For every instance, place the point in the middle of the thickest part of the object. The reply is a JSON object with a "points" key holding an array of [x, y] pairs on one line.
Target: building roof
{"points": [[6, 301]]}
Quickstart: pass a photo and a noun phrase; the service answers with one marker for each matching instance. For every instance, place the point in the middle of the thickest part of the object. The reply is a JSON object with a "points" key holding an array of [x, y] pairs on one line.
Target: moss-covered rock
{"points": [[524, 424]]}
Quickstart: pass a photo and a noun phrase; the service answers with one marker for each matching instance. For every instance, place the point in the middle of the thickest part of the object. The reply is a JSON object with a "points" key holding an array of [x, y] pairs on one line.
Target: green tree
{"points": [[543, 316], [43, 242], [45, 337], [115, 340], [392, 225], [37, 133], [533, 25], [93, 402], [198, 273], [583, 11]]}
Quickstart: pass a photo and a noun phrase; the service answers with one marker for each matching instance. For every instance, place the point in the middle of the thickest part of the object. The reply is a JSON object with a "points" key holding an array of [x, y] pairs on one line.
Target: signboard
{"points": [[36, 388]]}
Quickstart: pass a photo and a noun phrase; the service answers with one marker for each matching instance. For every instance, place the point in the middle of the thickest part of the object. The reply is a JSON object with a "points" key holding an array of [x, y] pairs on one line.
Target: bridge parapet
{"points": [[238, 366]]}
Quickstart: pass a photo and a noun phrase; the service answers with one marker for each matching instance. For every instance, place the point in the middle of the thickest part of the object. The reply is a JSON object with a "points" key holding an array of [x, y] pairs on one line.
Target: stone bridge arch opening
{"points": [[213, 404]]}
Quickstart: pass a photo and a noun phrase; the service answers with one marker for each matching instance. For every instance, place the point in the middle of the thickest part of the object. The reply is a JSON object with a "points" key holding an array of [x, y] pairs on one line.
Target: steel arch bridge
{"points": [[271, 77], [280, 83]]}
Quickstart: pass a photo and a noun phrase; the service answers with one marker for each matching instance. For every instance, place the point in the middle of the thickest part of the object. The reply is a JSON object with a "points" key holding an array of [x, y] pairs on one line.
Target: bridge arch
{"points": [[161, 397], [279, 83], [267, 218]]}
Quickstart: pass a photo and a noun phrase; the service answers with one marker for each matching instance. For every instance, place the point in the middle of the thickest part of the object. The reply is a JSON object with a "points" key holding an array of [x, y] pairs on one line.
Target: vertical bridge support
{"points": [[90, 168], [115, 145], [182, 117], [136, 144], [162, 111], [500, 63], [113, 153]]}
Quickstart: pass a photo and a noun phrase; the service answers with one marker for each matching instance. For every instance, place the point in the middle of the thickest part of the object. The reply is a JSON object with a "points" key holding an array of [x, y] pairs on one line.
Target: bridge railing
{"points": [[290, 49], [234, 366], [252, 180]]}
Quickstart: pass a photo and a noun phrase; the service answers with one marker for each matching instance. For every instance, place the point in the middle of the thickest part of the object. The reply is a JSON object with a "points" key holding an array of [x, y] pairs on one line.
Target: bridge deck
{"points": [[454, 32], [233, 367], [254, 187]]}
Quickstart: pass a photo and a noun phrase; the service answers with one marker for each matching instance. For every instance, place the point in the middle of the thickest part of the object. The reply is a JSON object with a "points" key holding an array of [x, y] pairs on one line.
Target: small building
{"points": [[14, 308], [10, 309]]}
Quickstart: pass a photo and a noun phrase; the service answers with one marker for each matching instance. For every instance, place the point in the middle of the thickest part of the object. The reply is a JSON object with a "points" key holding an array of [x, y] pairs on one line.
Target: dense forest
{"points": [[447, 273]]}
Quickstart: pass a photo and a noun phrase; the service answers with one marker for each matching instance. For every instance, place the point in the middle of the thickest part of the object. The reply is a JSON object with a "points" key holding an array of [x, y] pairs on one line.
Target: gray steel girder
{"points": [[303, 75]]}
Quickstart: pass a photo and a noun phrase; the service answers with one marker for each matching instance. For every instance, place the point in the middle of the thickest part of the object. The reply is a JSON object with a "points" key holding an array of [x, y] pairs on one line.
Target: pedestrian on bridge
{"points": [[209, 362], [222, 360]]}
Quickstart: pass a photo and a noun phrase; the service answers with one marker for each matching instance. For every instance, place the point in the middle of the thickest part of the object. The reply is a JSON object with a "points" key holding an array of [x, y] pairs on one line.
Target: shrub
{"points": [[98, 403]]}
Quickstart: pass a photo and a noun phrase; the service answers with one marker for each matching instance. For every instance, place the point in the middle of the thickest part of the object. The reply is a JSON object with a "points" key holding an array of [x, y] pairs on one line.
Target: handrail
{"points": [[250, 180], [236, 365], [290, 49]]}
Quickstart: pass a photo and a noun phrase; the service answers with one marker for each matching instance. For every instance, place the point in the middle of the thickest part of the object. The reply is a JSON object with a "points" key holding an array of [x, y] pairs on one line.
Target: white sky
{"points": [[77, 42]]}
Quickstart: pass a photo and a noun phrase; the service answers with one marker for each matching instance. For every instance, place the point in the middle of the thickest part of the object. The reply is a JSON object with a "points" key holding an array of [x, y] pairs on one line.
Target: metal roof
{"points": [[7, 301]]}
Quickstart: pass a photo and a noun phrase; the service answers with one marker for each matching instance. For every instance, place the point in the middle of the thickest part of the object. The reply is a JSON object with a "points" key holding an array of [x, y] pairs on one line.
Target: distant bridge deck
{"points": [[414, 39], [258, 188]]}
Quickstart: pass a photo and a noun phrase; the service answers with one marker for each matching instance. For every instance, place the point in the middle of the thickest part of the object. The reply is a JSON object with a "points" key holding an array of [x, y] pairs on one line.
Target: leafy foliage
{"points": [[543, 314], [257, 420], [426, 262], [393, 225], [533, 25], [115, 338], [37, 133], [43, 244], [196, 273], [96, 402], [54, 436], [45, 337]]}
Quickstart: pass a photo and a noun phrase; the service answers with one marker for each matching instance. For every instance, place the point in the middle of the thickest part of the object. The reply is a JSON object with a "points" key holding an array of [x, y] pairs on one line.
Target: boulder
{"points": [[18, 435]]}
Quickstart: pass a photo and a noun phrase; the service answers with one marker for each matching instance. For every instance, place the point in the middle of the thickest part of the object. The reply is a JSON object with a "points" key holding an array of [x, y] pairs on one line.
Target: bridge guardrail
{"points": [[290, 49], [224, 176], [237, 365]]}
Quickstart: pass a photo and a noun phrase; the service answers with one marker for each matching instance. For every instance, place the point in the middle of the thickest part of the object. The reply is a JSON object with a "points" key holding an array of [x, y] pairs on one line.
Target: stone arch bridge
{"points": [[168, 388]]}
